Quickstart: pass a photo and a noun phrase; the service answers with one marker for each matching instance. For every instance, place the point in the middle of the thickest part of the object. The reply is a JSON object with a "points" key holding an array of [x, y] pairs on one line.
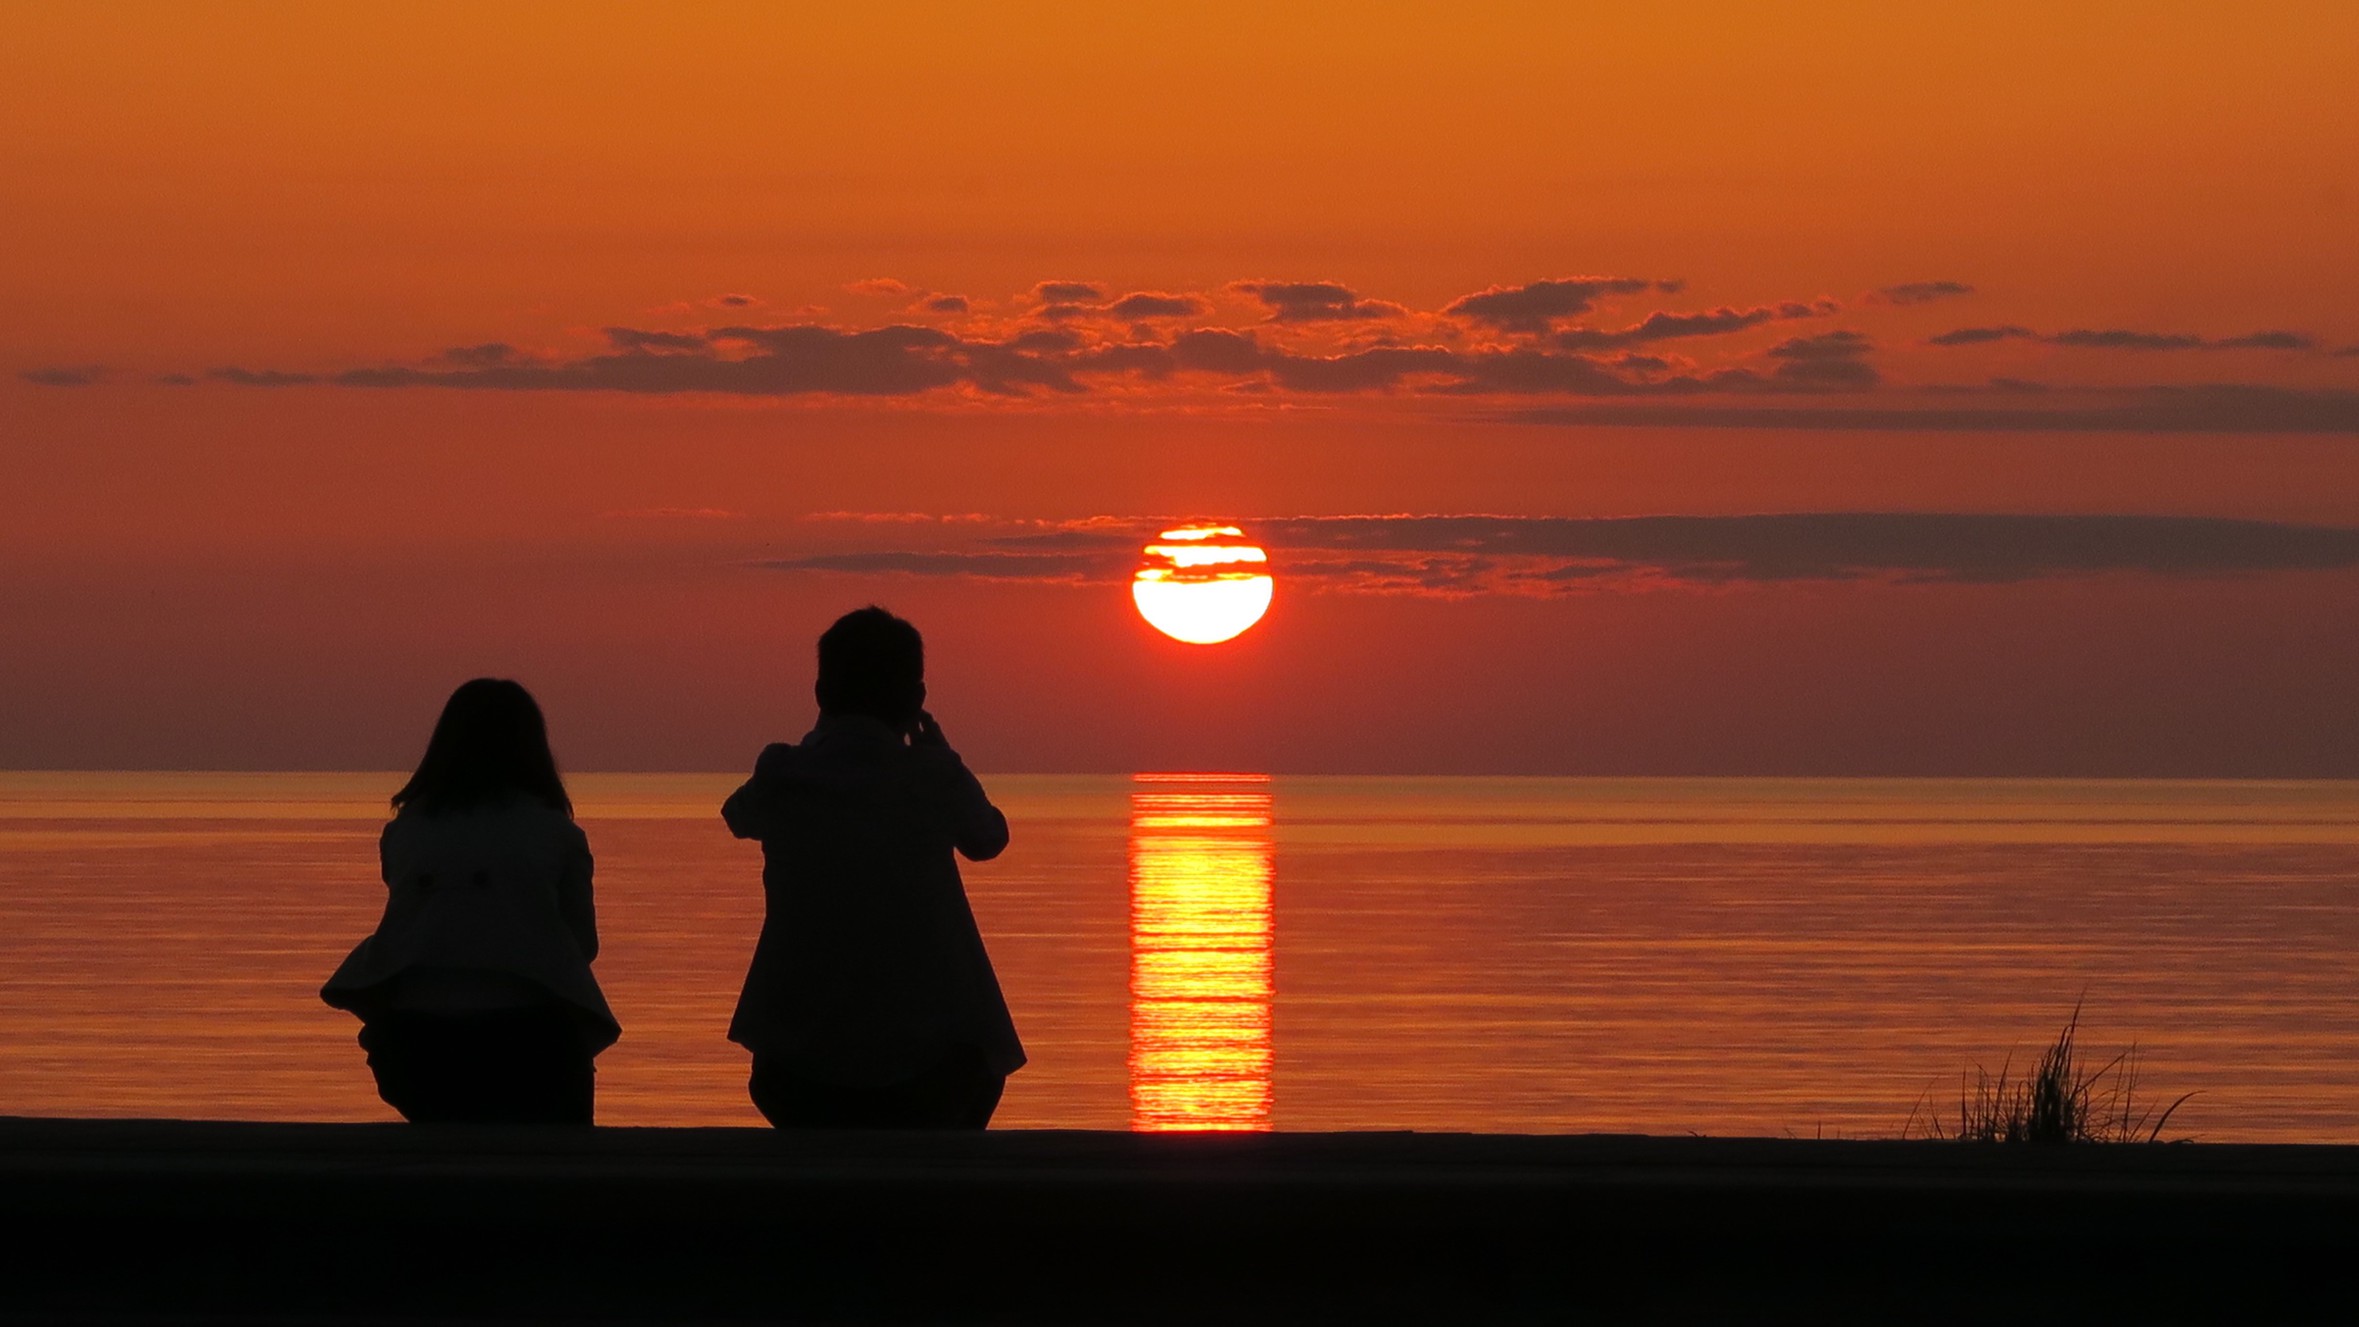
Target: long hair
{"points": [[490, 746]]}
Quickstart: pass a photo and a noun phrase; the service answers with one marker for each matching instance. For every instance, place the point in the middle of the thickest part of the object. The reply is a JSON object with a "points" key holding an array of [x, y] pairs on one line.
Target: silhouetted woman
{"points": [[475, 994]]}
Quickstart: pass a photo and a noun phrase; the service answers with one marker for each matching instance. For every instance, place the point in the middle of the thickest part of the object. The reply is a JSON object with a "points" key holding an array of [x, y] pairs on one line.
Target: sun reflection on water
{"points": [[1200, 952]]}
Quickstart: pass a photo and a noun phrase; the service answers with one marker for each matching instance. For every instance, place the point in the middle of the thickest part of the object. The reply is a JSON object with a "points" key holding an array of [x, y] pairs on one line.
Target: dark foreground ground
{"points": [[130, 1221]]}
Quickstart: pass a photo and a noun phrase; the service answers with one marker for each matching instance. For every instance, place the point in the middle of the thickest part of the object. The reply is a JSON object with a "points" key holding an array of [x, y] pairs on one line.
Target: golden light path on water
{"points": [[1200, 966], [1202, 584]]}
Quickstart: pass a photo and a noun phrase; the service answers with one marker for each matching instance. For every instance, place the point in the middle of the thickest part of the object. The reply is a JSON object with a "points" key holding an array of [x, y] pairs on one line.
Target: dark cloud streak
{"points": [[1067, 292], [1480, 554], [2123, 338], [262, 377], [1853, 545], [1156, 304], [1533, 307], [64, 375], [1325, 339], [1831, 360], [1674, 326], [1047, 567], [2213, 408], [1924, 292], [1316, 302], [1977, 336]]}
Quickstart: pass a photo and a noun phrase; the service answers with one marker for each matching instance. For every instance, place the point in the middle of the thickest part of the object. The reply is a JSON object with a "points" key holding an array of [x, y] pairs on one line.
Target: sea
{"points": [[1229, 950]]}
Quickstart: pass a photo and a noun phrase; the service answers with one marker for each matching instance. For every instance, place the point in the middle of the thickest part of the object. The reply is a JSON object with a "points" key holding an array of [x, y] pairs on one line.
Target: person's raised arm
{"points": [[978, 829], [752, 809], [982, 829]]}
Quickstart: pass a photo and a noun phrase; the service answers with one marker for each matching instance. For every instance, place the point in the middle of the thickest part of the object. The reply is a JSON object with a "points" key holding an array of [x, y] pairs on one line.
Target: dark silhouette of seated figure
{"points": [[871, 1002], [474, 993]]}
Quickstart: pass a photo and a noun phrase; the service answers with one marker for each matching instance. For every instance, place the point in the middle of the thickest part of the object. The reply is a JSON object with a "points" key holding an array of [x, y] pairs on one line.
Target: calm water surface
{"points": [[1723, 956]]}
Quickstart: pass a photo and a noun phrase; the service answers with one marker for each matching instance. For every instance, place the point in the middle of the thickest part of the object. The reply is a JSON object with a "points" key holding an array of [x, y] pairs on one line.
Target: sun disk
{"points": [[1202, 584]]}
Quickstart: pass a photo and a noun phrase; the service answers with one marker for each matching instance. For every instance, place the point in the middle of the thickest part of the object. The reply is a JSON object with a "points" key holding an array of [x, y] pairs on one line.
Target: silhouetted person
{"points": [[475, 994], [871, 1002]]}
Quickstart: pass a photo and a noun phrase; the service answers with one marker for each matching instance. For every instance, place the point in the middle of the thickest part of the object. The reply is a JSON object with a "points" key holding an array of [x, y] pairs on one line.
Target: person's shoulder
{"points": [[409, 822], [778, 758], [564, 828], [522, 816], [933, 759], [785, 769], [549, 824], [937, 767], [410, 834], [519, 812]]}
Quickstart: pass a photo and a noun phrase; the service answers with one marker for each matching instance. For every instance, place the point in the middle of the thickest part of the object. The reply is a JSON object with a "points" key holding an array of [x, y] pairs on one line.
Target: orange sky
{"points": [[2136, 215]]}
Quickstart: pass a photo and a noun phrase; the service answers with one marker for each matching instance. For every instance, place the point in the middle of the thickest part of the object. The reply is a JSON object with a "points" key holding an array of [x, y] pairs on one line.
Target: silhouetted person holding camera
{"points": [[475, 994], [871, 1002]]}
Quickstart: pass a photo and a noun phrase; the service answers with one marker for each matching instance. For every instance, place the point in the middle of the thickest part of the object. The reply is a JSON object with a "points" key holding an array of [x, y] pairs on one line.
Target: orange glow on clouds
{"points": [[303, 393]]}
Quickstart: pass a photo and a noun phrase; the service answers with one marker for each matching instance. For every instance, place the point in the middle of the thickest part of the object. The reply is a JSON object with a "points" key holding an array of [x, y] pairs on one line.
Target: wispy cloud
{"points": [[2005, 407], [486, 355], [1935, 546], [1658, 327], [1532, 307], [1979, 336], [1254, 342], [1317, 302], [262, 377], [1485, 554], [65, 375], [1067, 292], [1156, 304], [903, 517], [1830, 360], [673, 514], [1063, 568], [2123, 338], [1923, 292]]}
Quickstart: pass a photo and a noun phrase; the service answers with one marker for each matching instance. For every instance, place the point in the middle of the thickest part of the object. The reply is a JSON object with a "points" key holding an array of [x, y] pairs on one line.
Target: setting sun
{"points": [[1202, 584]]}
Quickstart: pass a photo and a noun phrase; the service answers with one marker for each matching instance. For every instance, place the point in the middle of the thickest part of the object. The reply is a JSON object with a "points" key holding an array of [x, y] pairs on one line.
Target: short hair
{"points": [[872, 663]]}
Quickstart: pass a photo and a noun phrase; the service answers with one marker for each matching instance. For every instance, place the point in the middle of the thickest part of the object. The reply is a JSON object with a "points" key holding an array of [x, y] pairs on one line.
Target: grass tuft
{"points": [[2059, 1102]]}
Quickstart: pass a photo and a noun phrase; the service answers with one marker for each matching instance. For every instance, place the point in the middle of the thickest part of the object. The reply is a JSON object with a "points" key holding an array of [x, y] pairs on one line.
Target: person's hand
{"points": [[925, 731]]}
